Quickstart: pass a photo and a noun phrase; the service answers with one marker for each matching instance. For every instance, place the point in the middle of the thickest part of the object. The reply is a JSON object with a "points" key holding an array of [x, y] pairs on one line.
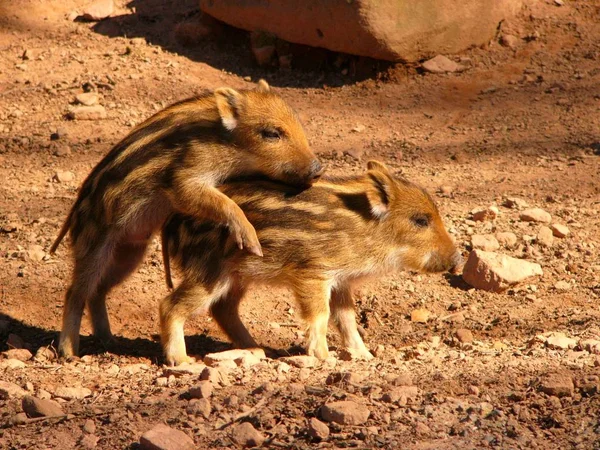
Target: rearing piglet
{"points": [[170, 163]]}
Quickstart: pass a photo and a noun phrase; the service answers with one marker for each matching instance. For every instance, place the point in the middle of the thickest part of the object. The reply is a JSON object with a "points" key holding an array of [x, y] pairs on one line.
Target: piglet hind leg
{"points": [[90, 264], [344, 319], [313, 299], [125, 259], [226, 313]]}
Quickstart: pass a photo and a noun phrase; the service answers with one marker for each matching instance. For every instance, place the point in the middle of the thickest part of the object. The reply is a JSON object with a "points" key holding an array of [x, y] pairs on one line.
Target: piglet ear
{"points": [[379, 194], [229, 103], [263, 86]]}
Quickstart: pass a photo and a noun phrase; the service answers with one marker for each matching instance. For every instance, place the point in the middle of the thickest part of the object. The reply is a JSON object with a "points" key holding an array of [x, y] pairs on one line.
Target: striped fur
{"points": [[319, 242], [173, 162]]}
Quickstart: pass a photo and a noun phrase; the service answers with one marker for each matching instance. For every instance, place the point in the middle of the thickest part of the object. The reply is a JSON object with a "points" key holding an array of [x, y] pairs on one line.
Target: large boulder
{"points": [[393, 30]]}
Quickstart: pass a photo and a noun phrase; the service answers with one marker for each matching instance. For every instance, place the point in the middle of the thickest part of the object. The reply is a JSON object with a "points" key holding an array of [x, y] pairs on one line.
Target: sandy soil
{"points": [[521, 123]]}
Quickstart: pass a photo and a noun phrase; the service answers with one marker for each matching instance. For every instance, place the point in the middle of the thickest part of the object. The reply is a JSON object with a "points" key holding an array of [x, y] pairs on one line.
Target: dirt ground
{"points": [[521, 122]]}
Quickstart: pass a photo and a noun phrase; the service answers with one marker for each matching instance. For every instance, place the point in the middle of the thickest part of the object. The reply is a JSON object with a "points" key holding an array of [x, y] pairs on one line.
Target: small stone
{"points": [[345, 412], [513, 202], [62, 150], [12, 363], [246, 435], [203, 389], [557, 385], [500, 345], [403, 379], [398, 393], [441, 64], [19, 419], [214, 375], [494, 272], [507, 239], [535, 215], [162, 437], [560, 341], [10, 390], [36, 252], [98, 10], [317, 429], [562, 286], [247, 361], [419, 315], [559, 2], [199, 407], [64, 177], [72, 393], [510, 41], [232, 355], [89, 426], [87, 98], [35, 407], [358, 129], [89, 441], [560, 231], [464, 335], [95, 112], [344, 377], [44, 354], [485, 214], [485, 242], [545, 237], [22, 354], [161, 382], [591, 345], [473, 390], [355, 153], [300, 361], [446, 190], [132, 369], [185, 369]]}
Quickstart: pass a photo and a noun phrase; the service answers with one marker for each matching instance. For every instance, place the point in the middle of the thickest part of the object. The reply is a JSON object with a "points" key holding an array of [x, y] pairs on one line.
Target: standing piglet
{"points": [[319, 242], [172, 163]]}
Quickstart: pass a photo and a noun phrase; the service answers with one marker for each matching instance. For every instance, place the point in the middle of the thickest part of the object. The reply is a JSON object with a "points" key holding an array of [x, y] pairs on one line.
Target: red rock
{"points": [[507, 239], [35, 407], [535, 215], [232, 355], [22, 354], [545, 237], [10, 390], [162, 437], [393, 31], [99, 10], [485, 242], [317, 429], [560, 231], [203, 389], [345, 412], [94, 112], [558, 385], [246, 435], [300, 361], [495, 272], [464, 335], [441, 64]]}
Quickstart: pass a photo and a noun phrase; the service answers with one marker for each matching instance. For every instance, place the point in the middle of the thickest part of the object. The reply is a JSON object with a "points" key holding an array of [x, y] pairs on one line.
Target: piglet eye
{"points": [[421, 220], [271, 134]]}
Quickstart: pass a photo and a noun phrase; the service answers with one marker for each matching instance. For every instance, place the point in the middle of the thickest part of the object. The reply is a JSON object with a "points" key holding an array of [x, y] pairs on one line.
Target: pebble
{"points": [[233, 355], [419, 315], [535, 215], [507, 239], [485, 242], [591, 345], [36, 407], [545, 236], [485, 214], [22, 354], [562, 286], [62, 150], [263, 55], [203, 389], [185, 369], [132, 369], [64, 176], [345, 412], [19, 419], [557, 385], [72, 393], [495, 272], [403, 379], [300, 361], [89, 426], [12, 363], [10, 390], [441, 64], [87, 98], [510, 41], [162, 437], [559, 341], [199, 407], [464, 335], [95, 112], [344, 377], [446, 190], [399, 392], [246, 435], [98, 10], [514, 202], [560, 231], [214, 375], [317, 429]]}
